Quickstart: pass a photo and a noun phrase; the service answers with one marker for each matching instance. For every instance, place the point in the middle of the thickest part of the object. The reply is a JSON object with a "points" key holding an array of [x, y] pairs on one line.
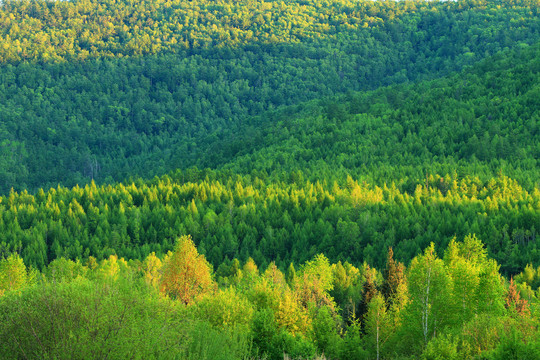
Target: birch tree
{"points": [[378, 325], [429, 289]]}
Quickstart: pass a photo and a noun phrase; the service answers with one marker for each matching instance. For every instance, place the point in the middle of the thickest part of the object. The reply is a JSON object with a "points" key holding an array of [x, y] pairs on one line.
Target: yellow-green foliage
{"points": [[13, 274], [453, 309], [226, 308], [65, 30], [265, 218], [186, 274]]}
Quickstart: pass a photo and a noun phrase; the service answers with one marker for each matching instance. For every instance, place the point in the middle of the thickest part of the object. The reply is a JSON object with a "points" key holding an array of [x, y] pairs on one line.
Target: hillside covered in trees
{"points": [[480, 121], [349, 176], [269, 180], [82, 97]]}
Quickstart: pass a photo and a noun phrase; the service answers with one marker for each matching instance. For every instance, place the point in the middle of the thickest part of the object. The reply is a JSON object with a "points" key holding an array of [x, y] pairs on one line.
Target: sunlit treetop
{"points": [[44, 31]]}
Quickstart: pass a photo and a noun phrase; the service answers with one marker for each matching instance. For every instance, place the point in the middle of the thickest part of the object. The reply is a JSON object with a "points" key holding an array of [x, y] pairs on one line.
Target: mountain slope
{"points": [[480, 121], [106, 107], [400, 166]]}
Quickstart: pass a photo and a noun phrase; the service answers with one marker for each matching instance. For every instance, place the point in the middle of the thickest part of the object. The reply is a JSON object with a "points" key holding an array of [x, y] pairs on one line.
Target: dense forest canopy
{"points": [[451, 304], [306, 179], [481, 121], [41, 30], [125, 112], [443, 147], [230, 216]]}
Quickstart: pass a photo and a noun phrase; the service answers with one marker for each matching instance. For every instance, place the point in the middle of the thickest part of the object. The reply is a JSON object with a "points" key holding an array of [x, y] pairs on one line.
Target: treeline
{"points": [[230, 216], [453, 306], [109, 117], [40, 30]]}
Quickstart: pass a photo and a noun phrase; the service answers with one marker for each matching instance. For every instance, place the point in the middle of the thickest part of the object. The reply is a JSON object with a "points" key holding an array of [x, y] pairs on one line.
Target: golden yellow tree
{"points": [[186, 273]]}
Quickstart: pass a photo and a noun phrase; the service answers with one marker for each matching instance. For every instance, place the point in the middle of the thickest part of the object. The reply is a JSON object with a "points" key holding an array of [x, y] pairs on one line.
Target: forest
{"points": [[309, 179], [116, 112], [450, 306]]}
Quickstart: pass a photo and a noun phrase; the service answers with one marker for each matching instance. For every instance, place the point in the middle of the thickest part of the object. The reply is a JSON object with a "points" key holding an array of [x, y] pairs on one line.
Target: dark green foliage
{"points": [[463, 123], [352, 344], [297, 347], [369, 290], [394, 276], [266, 335], [291, 275], [79, 102]]}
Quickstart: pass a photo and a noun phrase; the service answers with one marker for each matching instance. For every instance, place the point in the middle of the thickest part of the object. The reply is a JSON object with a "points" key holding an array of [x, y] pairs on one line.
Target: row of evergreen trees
{"points": [[230, 216]]}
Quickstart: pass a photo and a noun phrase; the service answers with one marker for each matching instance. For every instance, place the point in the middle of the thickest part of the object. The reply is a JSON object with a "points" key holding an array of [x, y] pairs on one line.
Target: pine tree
{"points": [[369, 290], [393, 277], [250, 269], [291, 276]]}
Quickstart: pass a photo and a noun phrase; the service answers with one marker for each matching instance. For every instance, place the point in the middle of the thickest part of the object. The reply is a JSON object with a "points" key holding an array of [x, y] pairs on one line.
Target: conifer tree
{"points": [[290, 277], [393, 276], [369, 290], [250, 269], [186, 274]]}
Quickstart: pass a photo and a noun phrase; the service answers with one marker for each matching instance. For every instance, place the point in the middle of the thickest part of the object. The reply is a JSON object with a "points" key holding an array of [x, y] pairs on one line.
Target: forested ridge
{"points": [[125, 112], [56, 31], [269, 180], [480, 121]]}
